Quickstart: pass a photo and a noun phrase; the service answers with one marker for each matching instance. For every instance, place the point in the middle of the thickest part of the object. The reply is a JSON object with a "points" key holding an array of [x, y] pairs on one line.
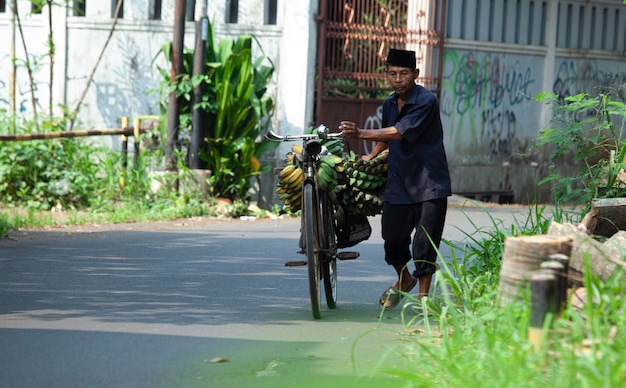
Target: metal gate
{"points": [[354, 38]]}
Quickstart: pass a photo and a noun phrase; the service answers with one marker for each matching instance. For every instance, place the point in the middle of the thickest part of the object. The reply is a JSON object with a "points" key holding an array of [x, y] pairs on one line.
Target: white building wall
{"points": [[126, 75]]}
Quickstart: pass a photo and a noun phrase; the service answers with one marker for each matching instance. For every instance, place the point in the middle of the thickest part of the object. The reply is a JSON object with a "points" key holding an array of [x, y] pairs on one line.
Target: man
{"points": [[418, 179]]}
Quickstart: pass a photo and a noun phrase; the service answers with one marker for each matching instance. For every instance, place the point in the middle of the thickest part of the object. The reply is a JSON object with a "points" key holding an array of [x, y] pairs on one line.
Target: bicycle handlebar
{"points": [[321, 132]]}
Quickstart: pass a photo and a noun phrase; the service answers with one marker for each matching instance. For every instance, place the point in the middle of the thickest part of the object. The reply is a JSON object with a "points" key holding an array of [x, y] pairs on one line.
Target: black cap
{"points": [[401, 58]]}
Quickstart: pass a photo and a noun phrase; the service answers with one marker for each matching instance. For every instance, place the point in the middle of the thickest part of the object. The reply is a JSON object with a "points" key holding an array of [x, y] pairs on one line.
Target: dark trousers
{"points": [[427, 219]]}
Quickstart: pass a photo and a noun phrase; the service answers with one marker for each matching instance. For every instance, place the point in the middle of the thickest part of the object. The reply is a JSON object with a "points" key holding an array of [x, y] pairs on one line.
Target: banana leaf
{"points": [[237, 106]]}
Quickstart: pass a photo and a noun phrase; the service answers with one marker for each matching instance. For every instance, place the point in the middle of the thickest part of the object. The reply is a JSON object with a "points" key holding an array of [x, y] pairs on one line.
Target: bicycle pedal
{"points": [[296, 263], [347, 255]]}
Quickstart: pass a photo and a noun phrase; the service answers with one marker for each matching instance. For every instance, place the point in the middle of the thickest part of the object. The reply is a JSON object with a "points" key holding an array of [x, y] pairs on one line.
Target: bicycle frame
{"points": [[318, 230]]}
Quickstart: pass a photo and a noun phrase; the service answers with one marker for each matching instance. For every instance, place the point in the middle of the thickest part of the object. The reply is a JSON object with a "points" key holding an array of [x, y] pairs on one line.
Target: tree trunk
{"points": [[173, 111]]}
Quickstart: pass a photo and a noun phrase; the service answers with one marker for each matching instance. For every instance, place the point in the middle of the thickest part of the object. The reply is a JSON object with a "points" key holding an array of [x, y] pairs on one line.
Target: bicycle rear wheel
{"points": [[310, 229]]}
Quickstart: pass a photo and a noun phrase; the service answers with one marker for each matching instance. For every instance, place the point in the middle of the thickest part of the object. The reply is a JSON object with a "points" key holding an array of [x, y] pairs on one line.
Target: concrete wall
{"points": [[490, 117], [496, 62], [126, 75]]}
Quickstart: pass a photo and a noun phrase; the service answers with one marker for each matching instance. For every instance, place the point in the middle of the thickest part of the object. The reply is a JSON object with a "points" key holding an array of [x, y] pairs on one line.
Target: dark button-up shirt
{"points": [[418, 168]]}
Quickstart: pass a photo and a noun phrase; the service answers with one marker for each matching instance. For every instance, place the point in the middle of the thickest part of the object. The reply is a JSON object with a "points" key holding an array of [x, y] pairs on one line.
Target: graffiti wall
{"points": [[487, 100], [491, 117]]}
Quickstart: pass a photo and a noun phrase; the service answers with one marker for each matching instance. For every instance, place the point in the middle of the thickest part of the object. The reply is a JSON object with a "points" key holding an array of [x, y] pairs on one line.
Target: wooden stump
{"points": [[523, 255]]}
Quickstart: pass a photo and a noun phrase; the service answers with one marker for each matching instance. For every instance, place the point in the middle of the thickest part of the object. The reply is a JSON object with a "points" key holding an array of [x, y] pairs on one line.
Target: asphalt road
{"points": [[198, 303]]}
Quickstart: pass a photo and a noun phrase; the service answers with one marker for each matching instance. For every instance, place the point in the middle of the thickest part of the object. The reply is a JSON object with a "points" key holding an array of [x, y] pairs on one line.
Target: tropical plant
{"points": [[237, 110], [590, 130]]}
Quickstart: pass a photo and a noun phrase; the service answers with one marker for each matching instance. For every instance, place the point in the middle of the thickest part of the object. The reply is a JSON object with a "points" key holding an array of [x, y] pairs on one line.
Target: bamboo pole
{"points": [[13, 72], [125, 131], [124, 153], [136, 133]]}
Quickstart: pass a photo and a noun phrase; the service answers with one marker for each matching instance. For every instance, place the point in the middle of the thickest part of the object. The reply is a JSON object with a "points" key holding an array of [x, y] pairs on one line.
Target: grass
{"points": [[12, 217], [464, 338]]}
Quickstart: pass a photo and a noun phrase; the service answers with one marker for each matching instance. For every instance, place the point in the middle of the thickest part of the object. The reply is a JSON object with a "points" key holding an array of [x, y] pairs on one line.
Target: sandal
{"points": [[394, 296]]}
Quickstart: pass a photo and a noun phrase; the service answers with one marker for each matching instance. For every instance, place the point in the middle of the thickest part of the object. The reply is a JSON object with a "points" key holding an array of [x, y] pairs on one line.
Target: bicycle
{"points": [[320, 213]]}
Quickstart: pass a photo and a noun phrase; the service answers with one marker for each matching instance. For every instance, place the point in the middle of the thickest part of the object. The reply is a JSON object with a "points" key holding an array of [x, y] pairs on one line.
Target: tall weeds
{"points": [[462, 337]]}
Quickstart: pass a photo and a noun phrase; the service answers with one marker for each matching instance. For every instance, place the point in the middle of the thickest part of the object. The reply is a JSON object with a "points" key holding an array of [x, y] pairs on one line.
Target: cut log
{"points": [[522, 255], [604, 258], [615, 255], [606, 217]]}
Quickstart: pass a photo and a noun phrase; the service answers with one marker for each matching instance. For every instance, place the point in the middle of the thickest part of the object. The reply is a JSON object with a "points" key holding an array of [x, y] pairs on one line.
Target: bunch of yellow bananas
{"points": [[290, 179]]}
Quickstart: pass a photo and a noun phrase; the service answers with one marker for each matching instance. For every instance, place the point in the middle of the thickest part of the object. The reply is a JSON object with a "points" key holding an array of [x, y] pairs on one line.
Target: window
{"points": [[271, 11], [232, 11], [79, 8], [155, 10], [3, 6], [114, 6]]}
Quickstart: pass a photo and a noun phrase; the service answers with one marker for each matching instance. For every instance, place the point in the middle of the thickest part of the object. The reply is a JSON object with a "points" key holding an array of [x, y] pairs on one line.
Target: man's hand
{"points": [[349, 130]]}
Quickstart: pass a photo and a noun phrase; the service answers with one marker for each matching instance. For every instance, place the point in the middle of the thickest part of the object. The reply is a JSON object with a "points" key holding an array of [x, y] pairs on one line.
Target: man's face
{"points": [[402, 79]]}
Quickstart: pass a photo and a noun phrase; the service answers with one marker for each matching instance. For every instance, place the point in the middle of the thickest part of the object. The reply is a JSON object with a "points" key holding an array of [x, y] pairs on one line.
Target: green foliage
{"points": [[5, 225], [237, 110], [590, 130], [43, 174]]}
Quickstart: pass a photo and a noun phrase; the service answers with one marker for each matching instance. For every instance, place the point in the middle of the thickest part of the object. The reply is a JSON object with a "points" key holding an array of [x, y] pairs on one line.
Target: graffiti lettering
{"points": [[574, 77], [487, 83], [500, 132], [373, 122], [481, 94]]}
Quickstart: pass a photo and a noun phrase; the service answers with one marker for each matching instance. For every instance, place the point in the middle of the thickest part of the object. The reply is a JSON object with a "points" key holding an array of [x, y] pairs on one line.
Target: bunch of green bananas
{"points": [[289, 185], [359, 184], [355, 201], [334, 146], [328, 170], [363, 193]]}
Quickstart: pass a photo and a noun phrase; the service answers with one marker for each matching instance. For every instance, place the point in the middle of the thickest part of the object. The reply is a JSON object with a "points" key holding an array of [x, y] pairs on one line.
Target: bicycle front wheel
{"points": [[329, 260], [310, 229], [329, 270]]}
